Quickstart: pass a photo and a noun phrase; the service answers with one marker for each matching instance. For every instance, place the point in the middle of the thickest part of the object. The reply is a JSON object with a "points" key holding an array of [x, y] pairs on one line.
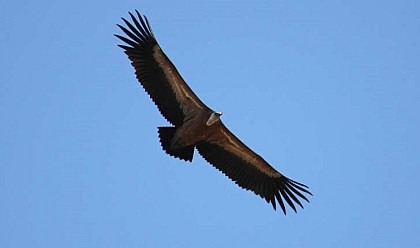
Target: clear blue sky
{"points": [[327, 91]]}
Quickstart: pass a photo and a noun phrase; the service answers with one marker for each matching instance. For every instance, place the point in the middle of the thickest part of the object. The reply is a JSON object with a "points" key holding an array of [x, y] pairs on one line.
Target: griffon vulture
{"points": [[196, 126]]}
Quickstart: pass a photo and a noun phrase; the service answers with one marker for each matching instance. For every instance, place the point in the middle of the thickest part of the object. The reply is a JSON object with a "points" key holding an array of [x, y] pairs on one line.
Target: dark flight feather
{"points": [[148, 71], [261, 184]]}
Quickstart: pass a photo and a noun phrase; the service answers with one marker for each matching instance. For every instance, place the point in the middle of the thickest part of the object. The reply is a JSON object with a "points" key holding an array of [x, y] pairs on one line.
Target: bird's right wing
{"points": [[250, 171]]}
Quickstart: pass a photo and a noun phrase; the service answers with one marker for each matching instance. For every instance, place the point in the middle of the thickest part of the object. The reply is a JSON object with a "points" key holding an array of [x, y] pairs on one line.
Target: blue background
{"points": [[327, 91]]}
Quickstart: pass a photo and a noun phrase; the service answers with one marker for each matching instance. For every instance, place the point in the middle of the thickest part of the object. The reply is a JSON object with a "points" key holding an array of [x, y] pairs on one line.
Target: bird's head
{"points": [[215, 116]]}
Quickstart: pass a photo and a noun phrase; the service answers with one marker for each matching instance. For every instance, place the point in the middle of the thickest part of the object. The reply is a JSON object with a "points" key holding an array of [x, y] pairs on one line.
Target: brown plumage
{"points": [[197, 126]]}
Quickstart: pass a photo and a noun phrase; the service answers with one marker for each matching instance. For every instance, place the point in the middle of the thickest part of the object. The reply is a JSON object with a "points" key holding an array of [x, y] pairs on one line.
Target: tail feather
{"points": [[166, 135]]}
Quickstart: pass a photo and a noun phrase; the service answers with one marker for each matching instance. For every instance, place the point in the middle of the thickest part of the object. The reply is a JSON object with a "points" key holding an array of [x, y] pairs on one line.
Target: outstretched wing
{"points": [[155, 71], [249, 170]]}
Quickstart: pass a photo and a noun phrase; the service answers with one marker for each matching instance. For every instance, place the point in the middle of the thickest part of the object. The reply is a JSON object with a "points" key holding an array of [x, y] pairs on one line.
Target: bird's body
{"points": [[196, 126]]}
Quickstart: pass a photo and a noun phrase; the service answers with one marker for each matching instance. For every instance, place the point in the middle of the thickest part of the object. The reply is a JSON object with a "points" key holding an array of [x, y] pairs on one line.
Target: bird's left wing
{"points": [[156, 73], [250, 171]]}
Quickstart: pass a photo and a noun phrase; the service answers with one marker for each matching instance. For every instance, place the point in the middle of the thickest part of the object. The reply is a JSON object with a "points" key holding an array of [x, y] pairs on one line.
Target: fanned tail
{"points": [[166, 135]]}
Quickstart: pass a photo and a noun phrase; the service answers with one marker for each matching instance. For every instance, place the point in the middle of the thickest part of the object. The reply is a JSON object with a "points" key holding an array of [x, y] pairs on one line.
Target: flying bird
{"points": [[196, 126]]}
